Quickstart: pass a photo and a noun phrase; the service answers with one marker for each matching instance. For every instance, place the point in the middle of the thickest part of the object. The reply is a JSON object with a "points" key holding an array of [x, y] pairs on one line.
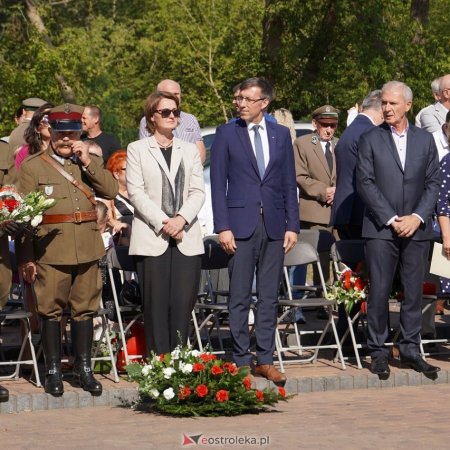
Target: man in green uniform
{"points": [[7, 176], [62, 257]]}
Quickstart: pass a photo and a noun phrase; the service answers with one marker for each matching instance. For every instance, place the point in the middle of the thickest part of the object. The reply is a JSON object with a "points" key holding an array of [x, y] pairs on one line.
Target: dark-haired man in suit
{"points": [[256, 216], [398, 180], [347, 210]]}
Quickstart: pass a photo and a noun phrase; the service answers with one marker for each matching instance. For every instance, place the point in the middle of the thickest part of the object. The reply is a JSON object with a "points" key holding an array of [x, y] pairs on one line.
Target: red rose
{"points": [[222, 395], [216, 370], [230, 367], [201, 390], [282, 392], [259, 395], [161, 357], [11, 204], [364, 307], [359, 284], [205, 357], [184, 392], [247, 383], [347, 284], [198, 367]]}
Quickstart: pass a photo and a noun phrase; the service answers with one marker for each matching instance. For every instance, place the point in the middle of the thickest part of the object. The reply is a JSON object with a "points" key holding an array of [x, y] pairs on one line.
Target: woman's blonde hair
{"points": [[284, 117]]}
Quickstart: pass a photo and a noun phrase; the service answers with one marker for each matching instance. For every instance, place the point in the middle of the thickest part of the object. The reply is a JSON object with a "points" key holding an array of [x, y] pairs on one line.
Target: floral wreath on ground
{"points": [[349, 289], [23, 209], [188, 382]]}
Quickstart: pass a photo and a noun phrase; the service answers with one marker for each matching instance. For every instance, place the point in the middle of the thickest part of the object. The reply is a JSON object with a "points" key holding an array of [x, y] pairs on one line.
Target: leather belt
{"points": [[77, 217]]}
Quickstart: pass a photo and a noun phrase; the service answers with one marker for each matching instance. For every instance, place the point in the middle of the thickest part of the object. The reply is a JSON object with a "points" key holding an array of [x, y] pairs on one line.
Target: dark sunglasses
{"points": [[326, 125], [166, 112]]}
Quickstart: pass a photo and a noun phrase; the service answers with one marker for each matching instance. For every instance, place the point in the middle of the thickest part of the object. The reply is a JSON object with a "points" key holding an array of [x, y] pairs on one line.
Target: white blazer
{"points": [[144, 184]]}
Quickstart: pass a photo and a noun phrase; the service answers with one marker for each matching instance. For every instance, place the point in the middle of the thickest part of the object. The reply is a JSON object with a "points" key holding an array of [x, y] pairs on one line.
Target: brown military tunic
{"points": [[66, 254], [7, 176]]}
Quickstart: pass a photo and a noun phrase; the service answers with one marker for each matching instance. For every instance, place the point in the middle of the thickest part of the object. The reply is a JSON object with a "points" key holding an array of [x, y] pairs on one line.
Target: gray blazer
{"points": [[433, 117], [388, 190], [144, 184]]}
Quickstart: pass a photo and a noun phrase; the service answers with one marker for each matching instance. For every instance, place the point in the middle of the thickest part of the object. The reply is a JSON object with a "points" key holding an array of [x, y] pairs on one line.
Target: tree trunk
{"points": [[36, 20]]}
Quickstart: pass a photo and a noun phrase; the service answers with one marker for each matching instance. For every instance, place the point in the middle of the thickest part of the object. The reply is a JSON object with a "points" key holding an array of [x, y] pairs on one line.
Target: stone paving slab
{"points": [[389, 419], [322, 376]]}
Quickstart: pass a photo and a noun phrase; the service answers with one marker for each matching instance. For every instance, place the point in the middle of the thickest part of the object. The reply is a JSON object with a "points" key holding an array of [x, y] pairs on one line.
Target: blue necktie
{"points": [[259, 152]]}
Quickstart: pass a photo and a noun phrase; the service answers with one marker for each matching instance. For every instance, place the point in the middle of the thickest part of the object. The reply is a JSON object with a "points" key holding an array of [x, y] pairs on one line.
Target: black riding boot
{"points": [[4, 394], [82, 335], [51, 343]]}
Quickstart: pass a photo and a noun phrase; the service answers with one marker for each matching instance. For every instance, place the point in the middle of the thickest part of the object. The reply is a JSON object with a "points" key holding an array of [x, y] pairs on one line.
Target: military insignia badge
{"points": [[314, 139], [66, 108], [48, 190]]}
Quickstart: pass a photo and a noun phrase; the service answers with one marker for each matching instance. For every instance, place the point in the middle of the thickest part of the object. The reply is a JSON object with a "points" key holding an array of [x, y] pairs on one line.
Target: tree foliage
{"points": [[113, 52]]}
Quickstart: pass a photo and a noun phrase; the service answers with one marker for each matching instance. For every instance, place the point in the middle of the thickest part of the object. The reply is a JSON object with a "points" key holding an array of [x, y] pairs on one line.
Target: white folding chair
{"points": [[304, 253], [117, 258], [350, 253]]}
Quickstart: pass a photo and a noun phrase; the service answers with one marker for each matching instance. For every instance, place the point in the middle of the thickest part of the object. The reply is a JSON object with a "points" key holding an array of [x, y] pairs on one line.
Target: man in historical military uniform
{"points": [[315, 169], [17, 137], [62, 257], [7, 176]]}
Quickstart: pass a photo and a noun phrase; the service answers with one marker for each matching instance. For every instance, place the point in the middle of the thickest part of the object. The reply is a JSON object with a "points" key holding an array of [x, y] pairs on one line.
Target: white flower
{"points": [[169, 393], [147, 369], [154, 393], [168, 372], [28, 208], [195, 353], [176, 353], [186, 368], [36, 220], [48, 202], [26, 218]]}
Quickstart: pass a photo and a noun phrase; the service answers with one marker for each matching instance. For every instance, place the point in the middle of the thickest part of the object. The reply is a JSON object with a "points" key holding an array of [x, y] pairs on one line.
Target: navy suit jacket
{"points": [[388, 190], [238, 193], [348, 208]]}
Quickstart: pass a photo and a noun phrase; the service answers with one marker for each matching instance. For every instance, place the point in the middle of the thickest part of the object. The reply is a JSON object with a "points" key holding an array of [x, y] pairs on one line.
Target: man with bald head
{"points": [[433, 118], [188, 128]]}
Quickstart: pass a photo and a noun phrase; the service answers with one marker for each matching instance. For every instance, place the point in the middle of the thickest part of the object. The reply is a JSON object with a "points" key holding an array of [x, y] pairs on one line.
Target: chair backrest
{"points": [[321, 240], [349, 252], [119, 258], [215, 256], [302, 253]]}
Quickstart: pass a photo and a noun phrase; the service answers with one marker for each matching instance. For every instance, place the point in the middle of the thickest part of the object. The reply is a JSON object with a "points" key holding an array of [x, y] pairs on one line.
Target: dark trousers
{"points": [[266, 256], [382, 257], [169, 285]]}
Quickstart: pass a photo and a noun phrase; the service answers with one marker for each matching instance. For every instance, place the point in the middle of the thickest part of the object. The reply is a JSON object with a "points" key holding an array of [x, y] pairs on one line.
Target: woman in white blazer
{"points": [[165, 185]]}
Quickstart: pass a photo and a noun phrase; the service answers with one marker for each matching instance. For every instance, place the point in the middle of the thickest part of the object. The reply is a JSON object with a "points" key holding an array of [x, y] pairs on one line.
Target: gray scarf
{"points": [[171, 201]]}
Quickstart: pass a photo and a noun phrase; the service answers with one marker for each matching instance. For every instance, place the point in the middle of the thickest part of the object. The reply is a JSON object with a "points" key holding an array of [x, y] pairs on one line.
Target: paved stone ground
{"points": [[401, 418]]}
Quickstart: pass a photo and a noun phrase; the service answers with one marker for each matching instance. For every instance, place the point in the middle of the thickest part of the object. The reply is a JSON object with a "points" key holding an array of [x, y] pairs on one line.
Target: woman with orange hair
{"points": [[123, 210]]}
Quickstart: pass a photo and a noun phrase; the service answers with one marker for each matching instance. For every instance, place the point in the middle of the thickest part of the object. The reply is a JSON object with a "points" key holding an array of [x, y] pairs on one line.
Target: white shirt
{"points": [[323, 144], [264, 139], [441, 143]]}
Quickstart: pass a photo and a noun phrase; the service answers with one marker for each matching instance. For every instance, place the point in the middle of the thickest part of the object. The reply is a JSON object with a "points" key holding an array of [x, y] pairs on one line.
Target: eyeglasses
{"points": [[69, 134], [123, 168], [326, 125], [166, 112], [240, 99]]}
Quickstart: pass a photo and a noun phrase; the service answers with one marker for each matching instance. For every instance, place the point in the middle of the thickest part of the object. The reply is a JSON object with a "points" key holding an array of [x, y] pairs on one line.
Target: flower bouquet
{"points": [[348, 289], [187, 382], [23, 209]]}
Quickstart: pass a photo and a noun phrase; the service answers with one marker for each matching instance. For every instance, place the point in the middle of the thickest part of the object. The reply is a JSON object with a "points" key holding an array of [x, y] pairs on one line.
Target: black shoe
{"points": [[419, 364], [380, 367], [87, 381], [4, 394], [53, 381]]}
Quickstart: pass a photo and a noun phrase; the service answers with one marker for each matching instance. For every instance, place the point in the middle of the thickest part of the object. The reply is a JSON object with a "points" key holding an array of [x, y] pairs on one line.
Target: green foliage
{"points": [[187, 382], [113, 53]]}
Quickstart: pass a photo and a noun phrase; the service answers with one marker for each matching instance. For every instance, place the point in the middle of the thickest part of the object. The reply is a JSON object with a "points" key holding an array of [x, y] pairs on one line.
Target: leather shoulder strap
{"points": [[80, 186]]}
